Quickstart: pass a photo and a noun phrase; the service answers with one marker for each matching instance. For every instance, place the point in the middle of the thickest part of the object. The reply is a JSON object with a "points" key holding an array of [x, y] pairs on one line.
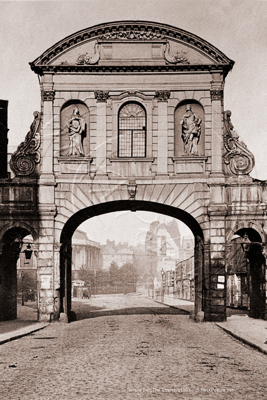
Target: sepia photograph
{"points": [[133, 199]]}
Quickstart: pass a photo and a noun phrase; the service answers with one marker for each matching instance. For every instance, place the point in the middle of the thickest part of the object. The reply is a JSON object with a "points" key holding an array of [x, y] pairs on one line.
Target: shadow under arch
{"points": [[123, 205], [10, 246], [245, 261]]}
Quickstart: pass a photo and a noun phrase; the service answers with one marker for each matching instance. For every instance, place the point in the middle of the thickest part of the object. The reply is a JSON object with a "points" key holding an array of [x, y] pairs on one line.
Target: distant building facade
{"points": [[85, 254], [119, 254]]}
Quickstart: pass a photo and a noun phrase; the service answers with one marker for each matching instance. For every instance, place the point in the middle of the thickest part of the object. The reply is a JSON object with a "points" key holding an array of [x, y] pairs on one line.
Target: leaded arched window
{"points": [[132, 131]]}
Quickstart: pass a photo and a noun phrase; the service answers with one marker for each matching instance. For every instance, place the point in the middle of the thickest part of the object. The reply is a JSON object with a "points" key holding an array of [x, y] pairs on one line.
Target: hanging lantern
{"points": [[28, 252]]}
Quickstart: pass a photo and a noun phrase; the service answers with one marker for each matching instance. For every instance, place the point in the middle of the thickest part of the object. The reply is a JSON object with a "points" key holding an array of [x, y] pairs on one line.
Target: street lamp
{"points": [[162, 285], [22, 287], [28, 252], [246, 243]]}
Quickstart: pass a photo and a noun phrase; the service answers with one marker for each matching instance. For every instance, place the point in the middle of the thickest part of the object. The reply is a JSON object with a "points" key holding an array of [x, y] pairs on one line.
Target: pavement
{"points": [[250, 331], [25, 324]]}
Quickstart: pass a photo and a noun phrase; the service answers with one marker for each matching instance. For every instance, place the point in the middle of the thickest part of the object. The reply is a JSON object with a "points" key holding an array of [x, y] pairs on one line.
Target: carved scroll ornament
{"points": [[27, 155], [87, 59], [174, 58], [240, 160]]}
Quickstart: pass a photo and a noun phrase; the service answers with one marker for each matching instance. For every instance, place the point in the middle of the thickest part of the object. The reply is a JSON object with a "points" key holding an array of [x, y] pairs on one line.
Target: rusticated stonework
{"points": [[48, 95], [216, 94], [101, 96], [24, 160], [162, 95]]}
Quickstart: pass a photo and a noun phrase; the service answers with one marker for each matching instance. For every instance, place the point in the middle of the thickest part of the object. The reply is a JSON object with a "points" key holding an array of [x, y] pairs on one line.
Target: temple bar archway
{"points": [[132, 114]]}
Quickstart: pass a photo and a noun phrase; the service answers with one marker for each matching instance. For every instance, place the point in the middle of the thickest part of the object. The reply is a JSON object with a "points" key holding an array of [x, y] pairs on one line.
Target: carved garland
{"points": [[162, 95], [132, 35], [101, 96], [240, 160], [27, 155], [48, 95], [120, 32], [216, 94]]}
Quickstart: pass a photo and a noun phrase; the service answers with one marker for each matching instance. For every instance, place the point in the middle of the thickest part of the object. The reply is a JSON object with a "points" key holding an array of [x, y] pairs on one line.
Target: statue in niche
{"points": [[76, 125], [191, 131]]}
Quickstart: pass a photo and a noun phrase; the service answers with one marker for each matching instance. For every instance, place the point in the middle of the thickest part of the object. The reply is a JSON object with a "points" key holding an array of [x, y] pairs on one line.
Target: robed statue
{"points": [[191, 131], [76, 126]]}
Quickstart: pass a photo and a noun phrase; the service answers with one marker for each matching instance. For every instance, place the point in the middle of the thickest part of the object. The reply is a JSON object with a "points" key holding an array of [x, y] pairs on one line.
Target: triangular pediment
{"points": [[131, 44]]}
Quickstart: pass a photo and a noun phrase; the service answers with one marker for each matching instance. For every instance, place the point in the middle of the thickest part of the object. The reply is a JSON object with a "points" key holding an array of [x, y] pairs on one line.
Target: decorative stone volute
{"points": [[240, 160], [23, 161]]}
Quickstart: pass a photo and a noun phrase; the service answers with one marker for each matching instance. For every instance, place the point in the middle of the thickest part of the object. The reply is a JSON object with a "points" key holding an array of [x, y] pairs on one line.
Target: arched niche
{"points": [[65, 115], [180, 111]]}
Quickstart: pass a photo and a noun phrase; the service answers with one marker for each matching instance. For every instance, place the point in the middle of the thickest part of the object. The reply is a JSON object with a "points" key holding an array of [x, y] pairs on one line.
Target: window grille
{"points": [[132, 131]]}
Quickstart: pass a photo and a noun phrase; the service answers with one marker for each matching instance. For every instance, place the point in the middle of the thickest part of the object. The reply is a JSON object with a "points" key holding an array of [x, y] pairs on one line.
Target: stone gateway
{"points": [[132, 118]]}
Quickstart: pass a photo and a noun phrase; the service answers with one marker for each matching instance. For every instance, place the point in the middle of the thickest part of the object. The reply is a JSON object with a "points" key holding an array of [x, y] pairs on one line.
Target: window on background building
{"points": [[132, 131]]}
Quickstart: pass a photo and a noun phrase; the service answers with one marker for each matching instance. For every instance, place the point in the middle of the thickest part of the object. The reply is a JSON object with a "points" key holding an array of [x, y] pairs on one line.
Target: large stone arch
{"points": [[160, 66], [121, 205]]}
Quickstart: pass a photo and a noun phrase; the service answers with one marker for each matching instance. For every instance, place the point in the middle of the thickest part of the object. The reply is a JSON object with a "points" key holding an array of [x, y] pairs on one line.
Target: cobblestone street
{"points": [[137, 356]]}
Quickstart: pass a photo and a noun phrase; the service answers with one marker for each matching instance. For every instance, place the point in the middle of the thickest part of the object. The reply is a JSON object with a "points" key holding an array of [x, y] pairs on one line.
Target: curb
{"points": [[165, 304], [13, 335], [255, 346]]}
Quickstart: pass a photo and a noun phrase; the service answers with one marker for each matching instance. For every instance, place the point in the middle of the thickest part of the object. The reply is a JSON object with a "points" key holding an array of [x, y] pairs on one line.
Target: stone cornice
{"points": [[132, 30], [126, 69]]}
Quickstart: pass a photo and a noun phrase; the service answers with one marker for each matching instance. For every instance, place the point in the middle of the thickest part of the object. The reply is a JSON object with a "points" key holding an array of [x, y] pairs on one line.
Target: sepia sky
{"points": [[236, 27]]}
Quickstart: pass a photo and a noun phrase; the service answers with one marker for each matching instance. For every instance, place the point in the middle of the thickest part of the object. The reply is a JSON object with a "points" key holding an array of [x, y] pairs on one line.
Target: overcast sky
{"points": [[236, 27]]}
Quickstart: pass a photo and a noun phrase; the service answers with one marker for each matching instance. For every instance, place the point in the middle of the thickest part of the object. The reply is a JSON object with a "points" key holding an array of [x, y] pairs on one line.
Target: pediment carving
{"points": [[132, 35], [174, 58], [149, 44], [89, 59]]}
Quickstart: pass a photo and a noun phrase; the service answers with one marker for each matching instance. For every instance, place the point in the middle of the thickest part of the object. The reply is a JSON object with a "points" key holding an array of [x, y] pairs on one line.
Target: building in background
{"points": [[164, 248], [184, 280], [85, 254], [3, 138], [120, 254]]}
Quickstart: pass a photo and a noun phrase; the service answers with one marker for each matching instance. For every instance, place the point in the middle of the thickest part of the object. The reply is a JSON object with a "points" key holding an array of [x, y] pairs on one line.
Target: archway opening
{"points": [[18, 280], [162, 274], [245, 269]]}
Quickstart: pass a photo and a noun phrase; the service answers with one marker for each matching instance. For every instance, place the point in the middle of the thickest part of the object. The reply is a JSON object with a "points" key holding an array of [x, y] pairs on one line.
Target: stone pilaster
{"points": [[45, 269], [101, 127], [48, 95], [56, 281], [217, 123], [162, 159], [216, 281]]}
